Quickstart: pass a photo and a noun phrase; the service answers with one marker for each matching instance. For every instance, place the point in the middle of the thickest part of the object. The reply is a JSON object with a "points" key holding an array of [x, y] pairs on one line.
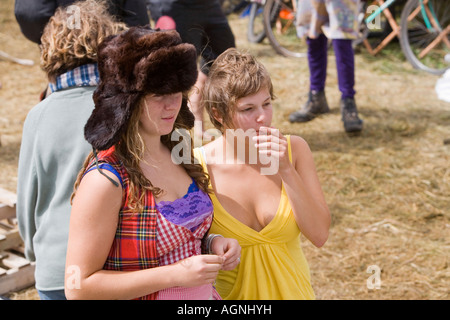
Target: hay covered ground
{"points": [[388, 189]]}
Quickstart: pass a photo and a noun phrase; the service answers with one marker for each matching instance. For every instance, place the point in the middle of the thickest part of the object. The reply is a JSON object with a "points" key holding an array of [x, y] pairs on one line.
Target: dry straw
{"points": [[388, 189]]}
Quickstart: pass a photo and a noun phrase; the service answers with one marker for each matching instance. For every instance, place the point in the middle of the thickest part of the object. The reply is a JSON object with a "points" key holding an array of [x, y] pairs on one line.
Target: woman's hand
{"points": [[272, 147], [229, 249], [197, 270]]}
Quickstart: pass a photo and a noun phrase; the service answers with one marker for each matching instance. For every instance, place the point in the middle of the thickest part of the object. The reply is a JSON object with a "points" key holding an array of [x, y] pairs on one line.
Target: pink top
{"points": [[205, 292]]}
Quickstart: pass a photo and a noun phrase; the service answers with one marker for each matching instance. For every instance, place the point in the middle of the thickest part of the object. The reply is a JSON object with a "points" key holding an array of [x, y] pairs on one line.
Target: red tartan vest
{"points": [[134, 245]]}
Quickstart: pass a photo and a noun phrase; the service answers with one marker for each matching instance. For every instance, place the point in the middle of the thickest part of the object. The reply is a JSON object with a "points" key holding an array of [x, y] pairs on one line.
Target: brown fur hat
{"points": [[132, 64]]}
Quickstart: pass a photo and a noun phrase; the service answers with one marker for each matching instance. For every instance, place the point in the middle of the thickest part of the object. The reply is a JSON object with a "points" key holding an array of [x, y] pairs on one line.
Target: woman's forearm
{"points": [[309, 207], [118, 285]]}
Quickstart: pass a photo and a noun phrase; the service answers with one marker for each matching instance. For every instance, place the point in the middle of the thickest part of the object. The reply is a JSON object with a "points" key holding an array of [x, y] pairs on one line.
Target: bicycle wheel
{"points": [[255, 30], [279, 25], [425, 34]]}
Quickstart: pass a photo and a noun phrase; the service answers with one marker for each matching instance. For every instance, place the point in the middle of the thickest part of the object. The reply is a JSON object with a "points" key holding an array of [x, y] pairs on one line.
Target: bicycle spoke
{"points": [[436, 41], [443, 33], [414, 13], [425, 34]]}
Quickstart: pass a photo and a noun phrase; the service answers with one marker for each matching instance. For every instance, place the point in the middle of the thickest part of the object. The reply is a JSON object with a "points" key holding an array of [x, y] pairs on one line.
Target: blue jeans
{"points": [[52, 295]]}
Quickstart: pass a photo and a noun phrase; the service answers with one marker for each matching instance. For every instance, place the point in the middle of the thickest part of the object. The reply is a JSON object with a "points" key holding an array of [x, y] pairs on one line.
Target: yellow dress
{"points": [[273, 266]]}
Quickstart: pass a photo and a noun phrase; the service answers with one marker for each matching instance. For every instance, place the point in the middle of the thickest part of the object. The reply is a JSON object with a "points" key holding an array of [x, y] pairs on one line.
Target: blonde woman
{"points": [[138, 219], [266, 189], [53, 147]]}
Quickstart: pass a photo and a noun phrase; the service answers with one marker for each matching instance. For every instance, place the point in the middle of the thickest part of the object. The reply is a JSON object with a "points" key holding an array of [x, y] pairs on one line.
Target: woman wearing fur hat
{"points": [[140, 236]]}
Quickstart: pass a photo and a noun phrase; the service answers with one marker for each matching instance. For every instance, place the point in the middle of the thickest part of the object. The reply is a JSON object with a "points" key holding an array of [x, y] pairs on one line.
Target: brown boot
{"points": [[352, 123], [316, 105]]}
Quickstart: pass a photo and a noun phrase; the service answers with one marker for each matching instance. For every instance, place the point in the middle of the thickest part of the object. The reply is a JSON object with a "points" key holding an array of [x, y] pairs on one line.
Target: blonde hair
{"points": [[71, 37], [234, 75]]}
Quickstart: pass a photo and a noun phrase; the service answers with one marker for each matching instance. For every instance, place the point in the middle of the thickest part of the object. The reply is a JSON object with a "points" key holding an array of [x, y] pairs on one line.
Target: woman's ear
{"points": [[216, 114]]}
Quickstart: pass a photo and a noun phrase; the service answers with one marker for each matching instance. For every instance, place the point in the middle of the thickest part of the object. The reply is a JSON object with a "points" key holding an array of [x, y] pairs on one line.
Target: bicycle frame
{"points": [[384, 7], [377, 12], [425, 7], [425, 16], [427, 10], [422, 5]]}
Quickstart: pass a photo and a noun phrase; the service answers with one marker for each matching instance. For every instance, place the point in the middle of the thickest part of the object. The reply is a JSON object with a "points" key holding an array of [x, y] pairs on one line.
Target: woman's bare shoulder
{"points": [[298, 144]]}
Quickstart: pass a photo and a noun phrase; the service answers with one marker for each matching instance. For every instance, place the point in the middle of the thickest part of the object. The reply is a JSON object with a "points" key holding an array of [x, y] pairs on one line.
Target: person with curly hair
{"points": [[53, 148], [33, 16]]}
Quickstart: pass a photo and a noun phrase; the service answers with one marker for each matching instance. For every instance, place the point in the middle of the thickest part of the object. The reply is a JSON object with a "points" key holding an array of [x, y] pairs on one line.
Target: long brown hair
{"points": [[130, 150]]}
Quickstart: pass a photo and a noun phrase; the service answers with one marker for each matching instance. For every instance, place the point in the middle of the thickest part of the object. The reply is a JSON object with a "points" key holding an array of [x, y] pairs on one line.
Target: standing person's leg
{"points": [[317, 63], [188, 22], [217, 37], [154, 6], [345, 63]]}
